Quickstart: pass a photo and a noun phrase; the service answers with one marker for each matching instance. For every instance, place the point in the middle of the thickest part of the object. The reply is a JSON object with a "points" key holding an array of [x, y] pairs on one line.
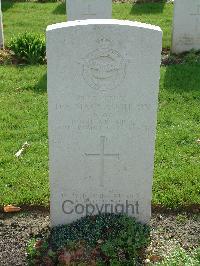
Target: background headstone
{"points": [[186, 26], [1, 29], [89, 9], [102, 95]]}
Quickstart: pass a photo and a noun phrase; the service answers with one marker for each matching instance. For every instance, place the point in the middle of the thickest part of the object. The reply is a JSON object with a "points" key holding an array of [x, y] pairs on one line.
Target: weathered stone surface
{"points": [[186, 26], [89, 9], [102, 94]]}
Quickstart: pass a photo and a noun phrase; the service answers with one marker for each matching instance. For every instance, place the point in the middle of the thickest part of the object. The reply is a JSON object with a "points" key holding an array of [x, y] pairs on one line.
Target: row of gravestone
{"points": [[103, 78], [186, 26]]}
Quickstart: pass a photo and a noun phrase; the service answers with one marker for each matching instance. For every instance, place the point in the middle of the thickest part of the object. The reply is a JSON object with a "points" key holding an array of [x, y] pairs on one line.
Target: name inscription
{"points": [[107, 112]]}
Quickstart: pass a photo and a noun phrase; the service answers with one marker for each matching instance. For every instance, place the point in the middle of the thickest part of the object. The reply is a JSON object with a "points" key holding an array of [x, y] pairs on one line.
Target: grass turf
{"points": [[24, 118], [24, 113], [21, 17]]}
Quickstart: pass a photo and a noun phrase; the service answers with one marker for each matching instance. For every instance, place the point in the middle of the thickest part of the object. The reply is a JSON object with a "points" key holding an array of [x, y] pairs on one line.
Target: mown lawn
{"points": [[20, 17], [23, 115]]}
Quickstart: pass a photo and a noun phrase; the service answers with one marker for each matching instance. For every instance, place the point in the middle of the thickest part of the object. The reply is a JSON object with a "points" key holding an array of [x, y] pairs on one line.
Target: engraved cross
{"points": [[102, 155]]}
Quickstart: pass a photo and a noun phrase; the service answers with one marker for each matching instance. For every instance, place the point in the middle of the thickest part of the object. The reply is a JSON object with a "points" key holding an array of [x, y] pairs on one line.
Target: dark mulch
{"points": [[168, 231], [7, 58]]}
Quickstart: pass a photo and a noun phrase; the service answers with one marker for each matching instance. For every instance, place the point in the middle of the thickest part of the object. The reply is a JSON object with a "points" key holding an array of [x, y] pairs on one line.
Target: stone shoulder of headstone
{"points": [[103, 81], [100, 22]]}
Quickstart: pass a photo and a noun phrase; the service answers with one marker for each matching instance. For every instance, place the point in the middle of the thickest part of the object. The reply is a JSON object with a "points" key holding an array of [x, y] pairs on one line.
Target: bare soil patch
{"points": [[167, 231]]}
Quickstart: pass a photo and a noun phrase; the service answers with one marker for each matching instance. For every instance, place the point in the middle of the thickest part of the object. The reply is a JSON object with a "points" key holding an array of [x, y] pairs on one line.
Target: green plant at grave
{"points": [[180, 257], [29, 48], [105, 239], [31, 250]]}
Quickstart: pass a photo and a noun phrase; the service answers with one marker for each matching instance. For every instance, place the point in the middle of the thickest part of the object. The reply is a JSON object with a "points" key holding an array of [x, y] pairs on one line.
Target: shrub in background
{"points": [[29, 48]]}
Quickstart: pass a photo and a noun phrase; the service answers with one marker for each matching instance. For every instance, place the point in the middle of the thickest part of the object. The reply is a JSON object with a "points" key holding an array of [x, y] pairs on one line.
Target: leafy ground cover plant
{"points": [[29, 48], [180, 257], [105, 239]]}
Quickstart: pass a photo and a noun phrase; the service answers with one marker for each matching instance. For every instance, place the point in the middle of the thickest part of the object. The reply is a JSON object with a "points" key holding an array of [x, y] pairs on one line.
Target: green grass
{"points": [[24, 118], [23, 113], [20, 17], [177, 168]]}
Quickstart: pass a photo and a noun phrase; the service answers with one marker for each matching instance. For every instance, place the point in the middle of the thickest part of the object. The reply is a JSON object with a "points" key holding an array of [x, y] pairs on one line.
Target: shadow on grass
{"points": [[5, 5], [147, 8], [182, 78], [60, 9], [41, 86]]}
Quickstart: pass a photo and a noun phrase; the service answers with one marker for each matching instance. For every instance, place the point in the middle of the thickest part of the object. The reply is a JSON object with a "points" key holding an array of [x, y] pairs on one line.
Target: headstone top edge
{"points": [[102, 22]]}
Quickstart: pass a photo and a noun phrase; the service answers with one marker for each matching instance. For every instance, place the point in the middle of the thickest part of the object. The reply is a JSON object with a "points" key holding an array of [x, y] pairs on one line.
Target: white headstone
{"points": [[102, 95], [186, 26], [89, 9], [1, 29]]}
